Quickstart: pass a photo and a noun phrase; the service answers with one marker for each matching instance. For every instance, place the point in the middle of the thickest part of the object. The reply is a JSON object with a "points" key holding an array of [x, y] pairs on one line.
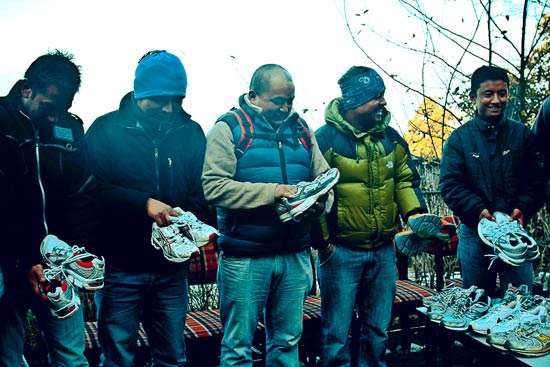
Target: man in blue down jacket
{"points": [[150, 153], [489, 164]]}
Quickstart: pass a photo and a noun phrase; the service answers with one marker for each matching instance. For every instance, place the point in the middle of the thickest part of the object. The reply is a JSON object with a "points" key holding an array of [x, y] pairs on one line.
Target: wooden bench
{"points": [[203, 330]]}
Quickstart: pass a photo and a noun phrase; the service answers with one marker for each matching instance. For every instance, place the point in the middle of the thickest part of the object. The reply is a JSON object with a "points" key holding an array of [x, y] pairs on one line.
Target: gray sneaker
{"points": [[308, 193], [464, 311], [535, 342]]}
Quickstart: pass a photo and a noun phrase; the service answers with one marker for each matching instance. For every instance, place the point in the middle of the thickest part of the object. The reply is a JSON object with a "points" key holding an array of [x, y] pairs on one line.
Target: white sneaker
{"points": [[59, 293], [83, 269], [495, 315], [196, 230], [175, 246]]}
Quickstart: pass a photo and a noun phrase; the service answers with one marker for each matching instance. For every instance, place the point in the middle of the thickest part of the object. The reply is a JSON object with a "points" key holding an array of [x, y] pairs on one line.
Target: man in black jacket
{"points": [[541, 129], [43, 176], [488, 165], [149, 155]]}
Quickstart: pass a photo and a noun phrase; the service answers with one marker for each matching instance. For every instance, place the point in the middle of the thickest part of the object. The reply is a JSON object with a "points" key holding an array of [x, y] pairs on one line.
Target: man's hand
{"points": [[316, 209], [325, 252], [517, 215], [35, 276], [160, 212], [285, 191], [485, 213]]}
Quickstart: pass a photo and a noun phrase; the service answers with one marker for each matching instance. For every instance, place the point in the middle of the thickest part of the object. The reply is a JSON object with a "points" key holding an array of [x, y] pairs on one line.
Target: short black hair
{"points": [[56, 67], [352, 72], [261, 78], [488, 72]]}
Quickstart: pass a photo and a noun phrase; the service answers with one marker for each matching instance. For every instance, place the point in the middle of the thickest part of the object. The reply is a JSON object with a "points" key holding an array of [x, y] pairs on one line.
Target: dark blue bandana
{"points": [[361, 89]]}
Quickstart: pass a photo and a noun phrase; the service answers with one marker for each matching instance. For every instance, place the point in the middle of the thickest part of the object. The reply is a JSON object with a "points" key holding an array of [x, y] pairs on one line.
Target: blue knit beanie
{"points": [[361, 89], [159, 73]]}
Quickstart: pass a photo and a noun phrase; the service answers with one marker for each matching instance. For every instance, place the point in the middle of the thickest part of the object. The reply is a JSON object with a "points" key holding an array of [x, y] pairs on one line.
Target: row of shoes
{"points": [[308, 193], [422, 230], [183, 237], [68, 267], [509, 240], [518, 321]]}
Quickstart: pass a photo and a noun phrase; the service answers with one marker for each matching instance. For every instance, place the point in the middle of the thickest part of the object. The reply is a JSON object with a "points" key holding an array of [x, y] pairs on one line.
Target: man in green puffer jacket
{"points": [[377, 182]]}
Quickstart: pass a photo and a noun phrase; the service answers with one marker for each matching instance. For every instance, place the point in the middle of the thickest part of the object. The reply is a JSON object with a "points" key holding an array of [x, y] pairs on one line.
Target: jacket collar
{"points": [[127, 116]]}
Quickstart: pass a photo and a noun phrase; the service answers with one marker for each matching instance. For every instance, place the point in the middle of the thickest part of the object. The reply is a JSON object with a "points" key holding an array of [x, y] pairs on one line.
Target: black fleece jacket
{"points": [[44, 184], [134, 166], [490, 166]]}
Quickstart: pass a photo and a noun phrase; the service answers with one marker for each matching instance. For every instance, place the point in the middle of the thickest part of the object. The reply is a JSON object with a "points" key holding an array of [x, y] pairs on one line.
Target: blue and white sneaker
{"points": [[308, 193]]}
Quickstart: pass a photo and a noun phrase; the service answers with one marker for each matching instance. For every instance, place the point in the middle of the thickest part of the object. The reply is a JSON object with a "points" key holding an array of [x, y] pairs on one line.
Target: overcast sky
{"points": [[220, 42]]}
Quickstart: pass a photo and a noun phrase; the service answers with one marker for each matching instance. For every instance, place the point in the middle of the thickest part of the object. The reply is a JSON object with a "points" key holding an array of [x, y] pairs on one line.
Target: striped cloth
{"points": [[207, 324]]}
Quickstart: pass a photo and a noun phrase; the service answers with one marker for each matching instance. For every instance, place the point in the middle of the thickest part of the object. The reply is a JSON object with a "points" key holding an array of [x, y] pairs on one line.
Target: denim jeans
{"points": [[362, 278], [276, 284], [64, 337], [474, 265], [159, 300]]}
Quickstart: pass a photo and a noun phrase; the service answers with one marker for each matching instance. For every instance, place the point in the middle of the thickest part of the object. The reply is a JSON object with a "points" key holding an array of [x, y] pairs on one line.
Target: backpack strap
{"points": [[239, 117], [303, 134]]}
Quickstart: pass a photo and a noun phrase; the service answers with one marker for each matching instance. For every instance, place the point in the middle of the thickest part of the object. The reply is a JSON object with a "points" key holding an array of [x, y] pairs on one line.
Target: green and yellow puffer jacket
{"points": [[378, 180]]}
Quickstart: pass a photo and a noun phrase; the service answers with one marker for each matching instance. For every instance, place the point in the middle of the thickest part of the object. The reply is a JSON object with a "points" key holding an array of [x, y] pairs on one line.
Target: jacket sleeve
{"points": [[320, 232], [196, 202], [541, 129], [455, 189], [220, 162], [532, 180], [408, 195]]}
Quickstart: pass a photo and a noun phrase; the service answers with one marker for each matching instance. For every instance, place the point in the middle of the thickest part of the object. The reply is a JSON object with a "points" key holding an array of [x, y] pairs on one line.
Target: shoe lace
{"points": [[74, 254]]}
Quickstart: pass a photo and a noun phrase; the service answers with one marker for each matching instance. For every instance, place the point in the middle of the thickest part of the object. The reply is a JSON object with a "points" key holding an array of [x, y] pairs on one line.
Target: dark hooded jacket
{"points": [[44, 182], [134, 165], [378, 181]]}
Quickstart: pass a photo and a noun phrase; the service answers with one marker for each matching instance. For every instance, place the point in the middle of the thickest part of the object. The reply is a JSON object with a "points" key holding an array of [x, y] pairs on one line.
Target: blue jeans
{"points": [[64, 338], [159, 300], [277, 285], [362, 278], [474, 265]]}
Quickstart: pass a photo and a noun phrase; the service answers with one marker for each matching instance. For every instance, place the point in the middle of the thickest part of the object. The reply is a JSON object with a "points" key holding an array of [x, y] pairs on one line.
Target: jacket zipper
{"points": [[283, 162], [156, 154], [38, 174], [39, 177], [170, 175]]}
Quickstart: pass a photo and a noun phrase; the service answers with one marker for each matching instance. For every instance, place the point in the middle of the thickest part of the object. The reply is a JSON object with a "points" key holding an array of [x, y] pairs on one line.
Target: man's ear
{"points": [[472, 97], [26, 92], [252, 94]]}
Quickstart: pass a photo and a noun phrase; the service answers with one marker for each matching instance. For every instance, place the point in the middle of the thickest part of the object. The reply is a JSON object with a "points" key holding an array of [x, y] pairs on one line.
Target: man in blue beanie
{"points": [[149, 153], [378, 181]]}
